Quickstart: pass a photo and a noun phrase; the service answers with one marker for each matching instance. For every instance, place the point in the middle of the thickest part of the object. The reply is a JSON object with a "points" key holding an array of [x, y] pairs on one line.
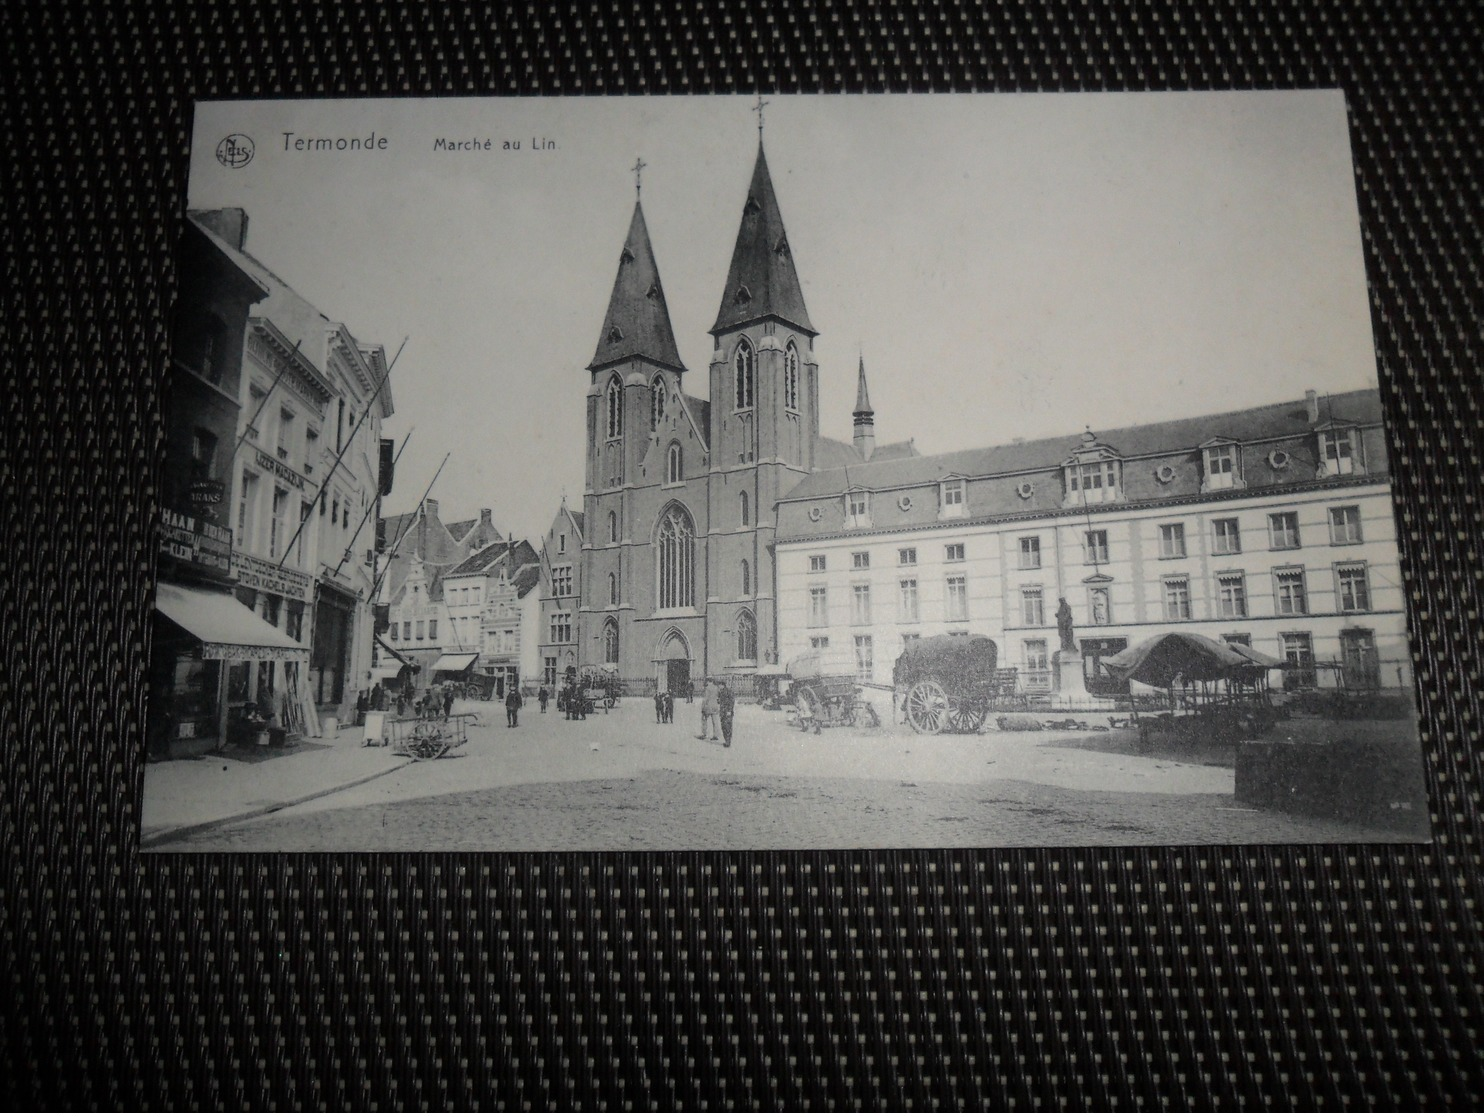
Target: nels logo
{"points": [[235, 151]]}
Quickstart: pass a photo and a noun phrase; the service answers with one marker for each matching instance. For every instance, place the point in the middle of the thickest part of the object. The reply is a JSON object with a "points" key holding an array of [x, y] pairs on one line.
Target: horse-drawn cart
{"points": [[948, 683], [825, 695]]}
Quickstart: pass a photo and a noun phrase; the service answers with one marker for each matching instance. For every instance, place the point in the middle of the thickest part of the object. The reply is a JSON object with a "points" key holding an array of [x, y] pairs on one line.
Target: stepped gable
{"points": [[637, 323], [762, 282]]}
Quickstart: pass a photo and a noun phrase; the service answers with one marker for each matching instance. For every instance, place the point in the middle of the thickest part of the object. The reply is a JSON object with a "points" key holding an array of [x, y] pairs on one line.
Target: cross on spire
{"points": [[758, 108], [638, 169]]}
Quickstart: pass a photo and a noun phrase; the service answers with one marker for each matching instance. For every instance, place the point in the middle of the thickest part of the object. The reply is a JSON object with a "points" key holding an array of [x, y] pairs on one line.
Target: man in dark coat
{"points": [[659, 707], [447, 701], [543, 696], [726, 705], [512, 706]]}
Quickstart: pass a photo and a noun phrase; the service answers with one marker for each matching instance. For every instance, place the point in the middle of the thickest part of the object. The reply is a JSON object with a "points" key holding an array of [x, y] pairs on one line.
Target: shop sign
{"points": [[207, 494], [258, 574], [269, 464], [191, 539]]}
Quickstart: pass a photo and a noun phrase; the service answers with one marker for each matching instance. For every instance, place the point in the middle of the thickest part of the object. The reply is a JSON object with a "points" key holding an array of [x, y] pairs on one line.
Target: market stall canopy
{"points": [[1257, 658], [1159, 660], [226, 628], [455, 661]]}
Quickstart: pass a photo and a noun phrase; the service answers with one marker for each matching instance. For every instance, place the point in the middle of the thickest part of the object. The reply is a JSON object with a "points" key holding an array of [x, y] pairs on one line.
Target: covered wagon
{"points": [[947, 682]]}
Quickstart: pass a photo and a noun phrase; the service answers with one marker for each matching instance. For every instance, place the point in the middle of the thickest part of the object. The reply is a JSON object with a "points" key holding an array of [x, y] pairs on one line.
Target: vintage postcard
{"points": [[776, 473]]}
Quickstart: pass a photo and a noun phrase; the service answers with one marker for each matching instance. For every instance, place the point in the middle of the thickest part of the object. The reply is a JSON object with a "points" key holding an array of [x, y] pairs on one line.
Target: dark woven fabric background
{"points": [[1263, 977]]}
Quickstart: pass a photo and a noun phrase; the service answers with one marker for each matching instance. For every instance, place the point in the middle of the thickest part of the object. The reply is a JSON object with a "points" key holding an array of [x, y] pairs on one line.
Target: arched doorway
{"points": [[672, 662]]}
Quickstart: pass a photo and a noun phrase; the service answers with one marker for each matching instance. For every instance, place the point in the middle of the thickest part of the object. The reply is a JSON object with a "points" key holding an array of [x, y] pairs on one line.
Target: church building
{"points": [[678, 506]]}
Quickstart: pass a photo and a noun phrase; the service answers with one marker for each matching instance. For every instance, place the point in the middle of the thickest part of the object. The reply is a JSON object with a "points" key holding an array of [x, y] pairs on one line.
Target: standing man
{"points": [[542, 696], [512, 706], [447, 700], [659, 707], [708, 711], [726, 705]]}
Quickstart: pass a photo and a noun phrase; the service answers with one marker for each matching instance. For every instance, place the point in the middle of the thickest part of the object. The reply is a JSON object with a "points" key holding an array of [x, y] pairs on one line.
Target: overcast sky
{"points": [[1009, 265]]}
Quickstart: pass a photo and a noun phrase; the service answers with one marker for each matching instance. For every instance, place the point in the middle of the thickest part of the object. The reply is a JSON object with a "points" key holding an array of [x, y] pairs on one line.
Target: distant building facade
{"points": [[561, 596], [1271, 526]]}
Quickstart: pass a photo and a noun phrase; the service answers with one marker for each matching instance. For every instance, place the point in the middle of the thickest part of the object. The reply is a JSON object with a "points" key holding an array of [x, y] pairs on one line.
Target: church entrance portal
{"points": [[673, 660], [677, 676]]}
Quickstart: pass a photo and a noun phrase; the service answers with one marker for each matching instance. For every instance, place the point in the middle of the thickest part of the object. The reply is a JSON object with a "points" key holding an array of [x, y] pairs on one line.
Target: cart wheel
{"points": [[927, 707], [965, 715], [610, 702], [426, 742]]}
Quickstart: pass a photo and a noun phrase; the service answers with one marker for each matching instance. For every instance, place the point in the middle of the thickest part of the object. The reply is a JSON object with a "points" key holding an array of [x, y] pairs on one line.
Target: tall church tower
{"points": [[764, 421]]}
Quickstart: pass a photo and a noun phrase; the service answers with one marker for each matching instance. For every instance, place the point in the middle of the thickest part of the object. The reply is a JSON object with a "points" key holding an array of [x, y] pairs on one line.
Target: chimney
{"points": [[229, 224], [865, 418], [430, 509], [1311, 403], [485, 519]]}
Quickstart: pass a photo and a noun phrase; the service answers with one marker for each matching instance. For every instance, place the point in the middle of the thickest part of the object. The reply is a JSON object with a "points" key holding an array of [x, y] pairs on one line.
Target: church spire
{"points": [[762, 282], [638, 320], [865, 418]]}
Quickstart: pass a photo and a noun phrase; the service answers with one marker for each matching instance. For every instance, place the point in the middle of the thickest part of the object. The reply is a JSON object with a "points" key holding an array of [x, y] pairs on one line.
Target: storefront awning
{"points": [[226, 628], [386, 670], [456, 661]]}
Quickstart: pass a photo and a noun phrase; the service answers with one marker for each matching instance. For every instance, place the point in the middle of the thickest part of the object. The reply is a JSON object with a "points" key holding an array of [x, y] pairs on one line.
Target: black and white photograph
{"points": [[776, 473]]}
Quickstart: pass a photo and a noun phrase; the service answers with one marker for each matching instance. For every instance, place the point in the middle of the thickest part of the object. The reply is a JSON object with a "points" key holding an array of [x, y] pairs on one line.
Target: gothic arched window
{"points": [[610, 641], [791, 377], [656, 402], [674, 473], [613, 527], [676, 568], [612, 590], [744, 367], [744, 510], [746, 636], [746, 578], [614, 400]]}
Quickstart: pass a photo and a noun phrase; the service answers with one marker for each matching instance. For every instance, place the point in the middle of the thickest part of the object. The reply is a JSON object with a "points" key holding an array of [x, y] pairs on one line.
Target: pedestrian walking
{"points": [[690, 691], [669, 708], [447, 702], [543, 696], [513, 704], [378, 698], [726, 705], [708, 711]]}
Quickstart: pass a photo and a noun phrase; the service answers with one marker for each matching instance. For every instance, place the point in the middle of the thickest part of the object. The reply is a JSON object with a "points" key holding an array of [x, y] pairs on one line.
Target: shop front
{"points": [[204, 636], [279, 596], [330, 646]]}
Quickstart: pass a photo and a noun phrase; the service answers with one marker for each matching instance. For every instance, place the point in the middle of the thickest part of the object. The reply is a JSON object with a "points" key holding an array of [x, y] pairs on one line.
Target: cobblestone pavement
{"points": [[620, 782]]}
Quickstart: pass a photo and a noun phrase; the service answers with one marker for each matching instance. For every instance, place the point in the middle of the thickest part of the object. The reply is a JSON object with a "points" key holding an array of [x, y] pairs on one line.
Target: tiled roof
{"points": [[700, 411], [832, 453], [762, 282], [637, 323], [481, 561]]}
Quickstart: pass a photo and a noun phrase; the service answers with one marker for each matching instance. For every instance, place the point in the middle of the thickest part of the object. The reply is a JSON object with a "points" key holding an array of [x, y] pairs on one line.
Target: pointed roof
{"points": [[762, 282], [862, 397], [638, 320]]}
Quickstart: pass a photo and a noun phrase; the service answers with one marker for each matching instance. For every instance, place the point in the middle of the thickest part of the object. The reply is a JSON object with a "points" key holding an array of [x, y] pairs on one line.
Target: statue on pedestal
{"points": [[1064, 626]]}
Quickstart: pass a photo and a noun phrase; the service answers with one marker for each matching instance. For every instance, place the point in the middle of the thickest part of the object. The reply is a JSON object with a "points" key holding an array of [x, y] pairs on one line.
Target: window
{"points": [[676, 567], [864, 659], [203, 455], [614, 408], [247, 503], [860, 560], [951, 498], [858, 509], [744, 509], [958, 598], [1226, 538], [860, 604], [433, 629], [407, 630], [561, 581], [1221, 467], [1177, 599], [674, 465], [1032, 607], [419, 630], [907, 556], [817, 642], [1171, 540], [1037, 664], [1289, 593], [1095, 546], [1098, 606], [656, 402], [819, 607], [278, 529], [562, 544], [907, 600], [548, 670], [305, 511], [744, 373], [1092, 482], [561, 628], [1354, 587], [1231, 595], [340, 424], [311, 450], [610, 641], [1298, 658], [1284, 530], [1030, 552], [746, 578], [791, 377], [612, 591], [1337, 453], [953, 552], [816, 564], [613, 527], [201, 346], [345, 514], [285, 435], [746, 636], [1344, 524]]}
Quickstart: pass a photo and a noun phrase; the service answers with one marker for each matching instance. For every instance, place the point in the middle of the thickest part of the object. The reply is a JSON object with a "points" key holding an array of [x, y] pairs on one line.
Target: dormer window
{"points": [[858, 508], [951, 498], [1222, 467], [744, 370], [1336, 452], [614, 408], [1093, 482]]}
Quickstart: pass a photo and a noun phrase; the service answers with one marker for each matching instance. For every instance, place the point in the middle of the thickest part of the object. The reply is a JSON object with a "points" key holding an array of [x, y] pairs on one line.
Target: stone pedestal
{"points": [[1066, 677]]}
